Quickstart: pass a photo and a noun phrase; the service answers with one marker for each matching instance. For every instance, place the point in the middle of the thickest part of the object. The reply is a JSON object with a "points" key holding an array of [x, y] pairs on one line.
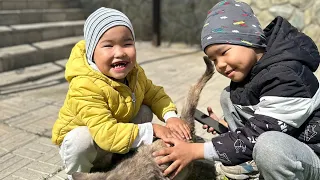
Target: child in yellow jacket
{"points": [[109, 105]]}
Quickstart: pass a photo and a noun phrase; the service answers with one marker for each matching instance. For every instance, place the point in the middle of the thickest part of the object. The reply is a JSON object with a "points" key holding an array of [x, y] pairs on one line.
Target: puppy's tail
{"points": [[192, 100]]}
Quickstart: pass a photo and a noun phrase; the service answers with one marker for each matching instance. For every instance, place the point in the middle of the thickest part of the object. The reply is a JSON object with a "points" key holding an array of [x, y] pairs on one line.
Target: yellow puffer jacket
{"points": [[106, 106]]}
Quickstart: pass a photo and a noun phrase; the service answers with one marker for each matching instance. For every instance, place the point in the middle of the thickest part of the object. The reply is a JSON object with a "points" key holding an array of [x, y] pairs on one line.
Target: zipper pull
{"points": [[133, 98]]}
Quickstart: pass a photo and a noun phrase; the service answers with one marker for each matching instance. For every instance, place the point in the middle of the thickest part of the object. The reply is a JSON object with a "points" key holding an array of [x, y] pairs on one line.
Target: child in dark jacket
{"points": [[272, 104]]}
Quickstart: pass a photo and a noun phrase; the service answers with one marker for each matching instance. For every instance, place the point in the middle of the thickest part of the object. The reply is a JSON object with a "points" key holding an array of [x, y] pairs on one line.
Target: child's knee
{"points": [[264, 143], [146, 110], [80, 138], [144, 115], [267, 148], [78, 148]]}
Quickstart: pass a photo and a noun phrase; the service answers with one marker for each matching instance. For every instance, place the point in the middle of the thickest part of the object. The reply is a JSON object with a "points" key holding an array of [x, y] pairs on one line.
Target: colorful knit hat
{"points": [[232, 22]]}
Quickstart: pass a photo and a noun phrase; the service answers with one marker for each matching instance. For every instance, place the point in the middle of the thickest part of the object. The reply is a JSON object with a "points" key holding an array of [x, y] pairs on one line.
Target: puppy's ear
{"points": [[80, 176]]}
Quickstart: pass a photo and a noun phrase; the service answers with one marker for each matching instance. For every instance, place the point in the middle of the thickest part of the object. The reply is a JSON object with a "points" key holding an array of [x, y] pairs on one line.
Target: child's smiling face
{"points": [[115, 53], [233, 61]]}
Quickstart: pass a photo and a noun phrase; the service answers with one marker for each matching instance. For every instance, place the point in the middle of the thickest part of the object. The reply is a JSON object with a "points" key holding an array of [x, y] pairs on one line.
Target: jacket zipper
{"points": [[133, 96]]}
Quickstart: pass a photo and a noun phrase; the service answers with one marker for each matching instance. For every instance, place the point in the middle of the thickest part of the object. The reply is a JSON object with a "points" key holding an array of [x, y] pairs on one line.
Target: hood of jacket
{"points": [[287, 43]]}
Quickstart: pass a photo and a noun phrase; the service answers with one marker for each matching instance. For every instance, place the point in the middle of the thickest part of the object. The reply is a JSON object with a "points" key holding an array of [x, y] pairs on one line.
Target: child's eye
{"points": [[108, 46], [224, 52], [128, 44], [211, 58]]}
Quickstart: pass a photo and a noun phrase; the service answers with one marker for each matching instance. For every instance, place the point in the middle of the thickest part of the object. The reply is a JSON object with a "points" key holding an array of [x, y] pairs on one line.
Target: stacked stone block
{"points": [[38, 31]]}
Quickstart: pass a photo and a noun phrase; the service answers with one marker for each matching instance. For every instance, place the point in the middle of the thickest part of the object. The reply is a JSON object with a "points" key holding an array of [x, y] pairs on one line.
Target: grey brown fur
{"points": [[142, 166]]}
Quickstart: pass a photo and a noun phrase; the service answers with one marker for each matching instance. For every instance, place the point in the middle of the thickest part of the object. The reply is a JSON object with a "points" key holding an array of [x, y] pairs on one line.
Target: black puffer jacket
{"points": [[280, 94]]}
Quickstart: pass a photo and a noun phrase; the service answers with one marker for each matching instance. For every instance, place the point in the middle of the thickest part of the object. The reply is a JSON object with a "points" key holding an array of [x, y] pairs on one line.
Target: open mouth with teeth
{"points": [[119, 65]]}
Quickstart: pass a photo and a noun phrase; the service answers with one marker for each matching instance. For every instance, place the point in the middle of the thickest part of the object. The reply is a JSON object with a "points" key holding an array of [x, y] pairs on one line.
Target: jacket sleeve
{"points": [[156, 98], [91, 108], [285, 104]]}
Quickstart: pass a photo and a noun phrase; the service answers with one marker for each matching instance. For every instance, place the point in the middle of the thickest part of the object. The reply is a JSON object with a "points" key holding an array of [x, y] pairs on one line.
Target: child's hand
{"points": [[180, 126], [215, 117], [181, 154], [164, 132]]}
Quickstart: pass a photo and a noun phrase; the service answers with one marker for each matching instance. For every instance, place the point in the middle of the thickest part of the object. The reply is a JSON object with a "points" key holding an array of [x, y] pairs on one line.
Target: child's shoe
{"points": [[246, 170]]}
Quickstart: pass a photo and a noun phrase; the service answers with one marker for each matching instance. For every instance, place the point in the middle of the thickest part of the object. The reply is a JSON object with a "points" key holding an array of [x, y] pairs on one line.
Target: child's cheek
{"points": [[219, 71]]}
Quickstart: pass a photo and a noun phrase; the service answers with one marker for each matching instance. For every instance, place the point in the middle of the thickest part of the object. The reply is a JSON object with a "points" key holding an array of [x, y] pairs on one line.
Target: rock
{"points": [[255, 10], [313, 31], [279, 1], [265, 17], [247, 1], [263, 4], [312, 14], [297, 19], [282, 10], [317, 11], [302, 4], [318, 45], [295, 2], [308, 16]]}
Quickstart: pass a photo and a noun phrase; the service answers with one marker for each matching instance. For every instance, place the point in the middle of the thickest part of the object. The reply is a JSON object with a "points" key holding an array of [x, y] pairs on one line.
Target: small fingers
{"points": [[176, 172], [175, 135], [181, 133], [164, 159], [162, 152], [171, 168], [186, 131], [210, 129], [172, 141]]}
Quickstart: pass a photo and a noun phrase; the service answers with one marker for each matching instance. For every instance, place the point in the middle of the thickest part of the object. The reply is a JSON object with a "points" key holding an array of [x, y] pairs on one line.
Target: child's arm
{"points": [[162, 105], [148, 130]]}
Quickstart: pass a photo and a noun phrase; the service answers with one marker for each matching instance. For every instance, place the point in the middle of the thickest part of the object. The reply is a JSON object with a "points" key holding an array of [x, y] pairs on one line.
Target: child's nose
{"points": [[119, 52], [220, 64]]}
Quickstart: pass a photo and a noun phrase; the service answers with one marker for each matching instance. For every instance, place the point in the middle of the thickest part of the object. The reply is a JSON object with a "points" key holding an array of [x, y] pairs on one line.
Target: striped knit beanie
{"points": [[232, 22], [98, 23]]}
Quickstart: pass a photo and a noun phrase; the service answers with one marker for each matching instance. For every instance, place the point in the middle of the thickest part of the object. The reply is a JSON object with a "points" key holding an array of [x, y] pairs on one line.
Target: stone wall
{"points": [[182, 20], [303, 14]]}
